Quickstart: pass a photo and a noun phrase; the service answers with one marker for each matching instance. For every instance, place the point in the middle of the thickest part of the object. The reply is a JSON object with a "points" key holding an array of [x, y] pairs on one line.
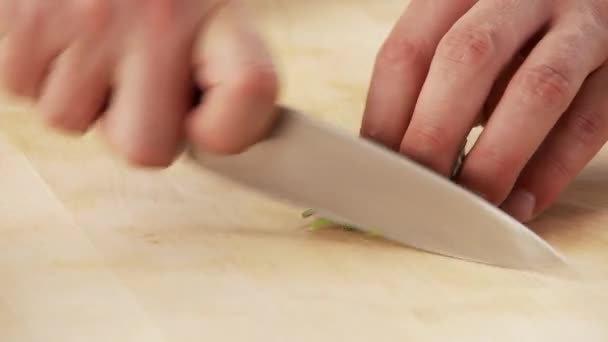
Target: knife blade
{"points": [[353, 181]]}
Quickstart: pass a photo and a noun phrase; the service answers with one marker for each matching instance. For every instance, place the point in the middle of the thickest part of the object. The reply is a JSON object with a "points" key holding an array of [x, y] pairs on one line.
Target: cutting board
{"points": [[93, 250]]}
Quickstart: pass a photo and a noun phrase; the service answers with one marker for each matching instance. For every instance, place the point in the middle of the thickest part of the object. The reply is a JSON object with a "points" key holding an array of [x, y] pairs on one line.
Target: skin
{"points": [[531, 72], [138, 62]]}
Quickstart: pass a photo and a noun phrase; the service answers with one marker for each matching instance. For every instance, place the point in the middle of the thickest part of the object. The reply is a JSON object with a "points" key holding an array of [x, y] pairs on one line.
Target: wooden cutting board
{"points": [[91, 250]]}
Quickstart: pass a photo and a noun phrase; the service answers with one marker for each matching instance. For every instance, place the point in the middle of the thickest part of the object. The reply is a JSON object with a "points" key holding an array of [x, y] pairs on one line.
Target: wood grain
{"points": [[93, 250]]}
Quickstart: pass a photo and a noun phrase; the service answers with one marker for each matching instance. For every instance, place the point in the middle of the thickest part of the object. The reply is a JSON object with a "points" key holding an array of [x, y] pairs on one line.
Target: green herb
{"points": [[321, 222], [308, 213]]}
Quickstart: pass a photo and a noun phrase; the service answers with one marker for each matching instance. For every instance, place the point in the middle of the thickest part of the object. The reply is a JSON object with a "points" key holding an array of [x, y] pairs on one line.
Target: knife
{"points": [[356, 182]]}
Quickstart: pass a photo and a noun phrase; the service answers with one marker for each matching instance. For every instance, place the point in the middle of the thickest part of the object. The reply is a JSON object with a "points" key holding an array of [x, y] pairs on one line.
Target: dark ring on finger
{"points": [[459, 161]]}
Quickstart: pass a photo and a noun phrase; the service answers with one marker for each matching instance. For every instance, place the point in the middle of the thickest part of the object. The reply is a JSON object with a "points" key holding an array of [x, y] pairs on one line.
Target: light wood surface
{"points": [[91, 250]]}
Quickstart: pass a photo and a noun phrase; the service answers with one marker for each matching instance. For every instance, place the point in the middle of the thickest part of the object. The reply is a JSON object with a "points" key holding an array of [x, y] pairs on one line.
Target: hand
{"points": [[533, 72], [71, 55]]}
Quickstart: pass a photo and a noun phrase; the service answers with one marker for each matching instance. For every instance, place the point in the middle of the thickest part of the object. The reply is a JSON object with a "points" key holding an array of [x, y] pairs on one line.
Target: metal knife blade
{"points": [[357, 182]]}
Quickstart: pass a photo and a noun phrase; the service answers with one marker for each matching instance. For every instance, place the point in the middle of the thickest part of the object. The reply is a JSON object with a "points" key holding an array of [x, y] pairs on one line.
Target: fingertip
{"points": [[377, 135], [147, 160], [142, 155], [135, 149], [520, 204], [57, 115], [60, 121]]}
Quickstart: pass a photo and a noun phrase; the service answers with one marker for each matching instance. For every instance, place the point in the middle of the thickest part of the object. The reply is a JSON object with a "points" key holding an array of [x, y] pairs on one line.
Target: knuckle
{"points": [[551, 85], [468, 46], [586, 127], [400, 52]]}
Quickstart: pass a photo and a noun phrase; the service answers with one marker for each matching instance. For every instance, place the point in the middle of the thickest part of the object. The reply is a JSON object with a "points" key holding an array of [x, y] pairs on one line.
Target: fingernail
{"points": [[520, 204]]}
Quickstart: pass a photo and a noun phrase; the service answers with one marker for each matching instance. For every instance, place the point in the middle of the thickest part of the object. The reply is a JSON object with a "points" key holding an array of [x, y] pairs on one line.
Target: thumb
{"points": [[239, 84]]}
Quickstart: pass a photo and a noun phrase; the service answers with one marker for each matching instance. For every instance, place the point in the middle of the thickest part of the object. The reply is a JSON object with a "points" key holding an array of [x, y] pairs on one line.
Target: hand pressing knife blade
{"points": [[353, 181]]}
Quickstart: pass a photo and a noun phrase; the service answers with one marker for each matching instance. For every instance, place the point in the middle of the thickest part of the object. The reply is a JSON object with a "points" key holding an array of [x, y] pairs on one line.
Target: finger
{"points": [[505, 77], [144, 122], [240, 86], [467, 63], [538, 94], [401, 67], [84, 69], [576, 139], [34, 38]]}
